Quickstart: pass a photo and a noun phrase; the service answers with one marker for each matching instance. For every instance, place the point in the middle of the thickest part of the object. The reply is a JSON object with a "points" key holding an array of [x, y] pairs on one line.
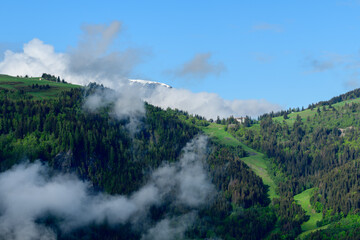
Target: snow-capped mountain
{"points": [[148, 84]]}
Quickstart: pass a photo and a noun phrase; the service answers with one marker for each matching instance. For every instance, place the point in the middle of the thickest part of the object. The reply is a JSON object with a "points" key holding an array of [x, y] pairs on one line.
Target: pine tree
{"points": [[286, 116]]}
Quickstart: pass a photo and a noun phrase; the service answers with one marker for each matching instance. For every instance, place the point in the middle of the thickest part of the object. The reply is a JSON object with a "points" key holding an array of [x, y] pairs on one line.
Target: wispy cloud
{"points": [[92, 59], [328, 61], [320, 65], [199, 67], [348, 65], [267, 27]]}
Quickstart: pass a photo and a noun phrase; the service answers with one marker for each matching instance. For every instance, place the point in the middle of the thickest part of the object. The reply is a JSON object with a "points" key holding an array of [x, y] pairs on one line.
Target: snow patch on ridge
{"points": [[148, 83]]}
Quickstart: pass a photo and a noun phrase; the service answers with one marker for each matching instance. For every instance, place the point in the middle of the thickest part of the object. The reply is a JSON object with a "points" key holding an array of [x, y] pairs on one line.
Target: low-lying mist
{"points": [[30, 191], [123, 106]]}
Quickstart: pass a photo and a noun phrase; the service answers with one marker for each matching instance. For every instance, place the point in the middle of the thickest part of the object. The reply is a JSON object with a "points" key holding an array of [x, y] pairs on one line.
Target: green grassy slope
{"points": [[311, 113], [304, 200], [305, 114], [292, 116], [25, 85], [219, 134], [256, 160]]}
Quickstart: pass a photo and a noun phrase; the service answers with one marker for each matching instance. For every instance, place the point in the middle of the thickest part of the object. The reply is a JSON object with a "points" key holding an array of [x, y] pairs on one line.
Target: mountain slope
{"points": [[98, 148], [255, 160], [317, 148], [260, 179]]}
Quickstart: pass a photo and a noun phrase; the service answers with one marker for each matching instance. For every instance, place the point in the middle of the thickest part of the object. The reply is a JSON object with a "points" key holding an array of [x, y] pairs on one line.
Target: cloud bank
{"points": [[93, 61], [28, 192], [207, 104]]}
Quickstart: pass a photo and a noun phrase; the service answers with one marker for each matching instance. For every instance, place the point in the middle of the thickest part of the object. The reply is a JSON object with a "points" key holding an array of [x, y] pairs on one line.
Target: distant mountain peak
{"points": [[148, 83]]}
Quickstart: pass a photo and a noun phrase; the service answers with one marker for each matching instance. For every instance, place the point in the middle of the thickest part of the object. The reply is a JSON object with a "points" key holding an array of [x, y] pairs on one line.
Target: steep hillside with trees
{"points": [[315, 148], [98, 147]]}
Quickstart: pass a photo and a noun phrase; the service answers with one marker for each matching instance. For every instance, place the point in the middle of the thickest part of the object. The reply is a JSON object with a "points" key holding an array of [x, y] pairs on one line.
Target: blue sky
{"points": [[290, 53]]}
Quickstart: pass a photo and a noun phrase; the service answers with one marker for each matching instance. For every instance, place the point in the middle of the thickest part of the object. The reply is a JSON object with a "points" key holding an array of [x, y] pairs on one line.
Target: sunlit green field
{"points": [[26, 85], [256, 161], [304, 200], [311, 113], [220, 135], [310, 226]]}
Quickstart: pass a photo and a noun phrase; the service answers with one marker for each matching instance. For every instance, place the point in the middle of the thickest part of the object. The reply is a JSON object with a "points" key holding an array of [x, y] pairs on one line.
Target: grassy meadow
{"points": [[256, 160], [31, 86]]}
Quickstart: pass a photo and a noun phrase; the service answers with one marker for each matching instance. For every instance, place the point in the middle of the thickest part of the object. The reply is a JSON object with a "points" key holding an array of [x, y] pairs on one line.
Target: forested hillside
{"points": [[315, 148], [205, 187], [99, 148]]}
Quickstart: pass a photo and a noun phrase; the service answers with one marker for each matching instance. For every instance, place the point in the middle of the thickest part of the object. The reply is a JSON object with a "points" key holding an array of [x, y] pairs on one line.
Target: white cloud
{"points": [[36, 59], [209, 105]]}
